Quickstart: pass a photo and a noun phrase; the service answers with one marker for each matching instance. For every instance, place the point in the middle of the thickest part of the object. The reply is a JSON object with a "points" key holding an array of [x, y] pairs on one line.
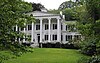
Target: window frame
{"points": [[54, 26], [54, 37], [29, 27], [46, 37], [46, 26], [37, 27]]}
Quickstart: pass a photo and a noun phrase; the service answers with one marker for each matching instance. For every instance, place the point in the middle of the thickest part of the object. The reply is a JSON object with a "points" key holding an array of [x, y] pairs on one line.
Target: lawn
{"points": [[48, 55]]}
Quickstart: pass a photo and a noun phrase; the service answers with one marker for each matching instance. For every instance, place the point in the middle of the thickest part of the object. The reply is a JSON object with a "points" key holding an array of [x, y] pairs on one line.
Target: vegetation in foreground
{"points": [[48, 55]]}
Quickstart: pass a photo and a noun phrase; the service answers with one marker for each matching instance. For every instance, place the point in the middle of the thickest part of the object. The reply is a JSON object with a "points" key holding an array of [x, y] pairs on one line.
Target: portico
{"points": [[49, 31]]}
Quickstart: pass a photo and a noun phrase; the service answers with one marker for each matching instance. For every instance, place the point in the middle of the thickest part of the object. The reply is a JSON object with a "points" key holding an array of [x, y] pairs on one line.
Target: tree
{"points": [[69, 14], [67, 4], [37, 7], [12, 12], [89, 26]]}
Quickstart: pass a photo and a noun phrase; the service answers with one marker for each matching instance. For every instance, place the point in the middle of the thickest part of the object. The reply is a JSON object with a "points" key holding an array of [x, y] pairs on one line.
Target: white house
{"points": [[49, 28]]}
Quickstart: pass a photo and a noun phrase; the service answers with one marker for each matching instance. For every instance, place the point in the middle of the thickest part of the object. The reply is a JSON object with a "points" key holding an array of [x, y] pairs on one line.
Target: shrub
{"points": [[89, 47], [49, 45], [57, 45], [93, 59]]}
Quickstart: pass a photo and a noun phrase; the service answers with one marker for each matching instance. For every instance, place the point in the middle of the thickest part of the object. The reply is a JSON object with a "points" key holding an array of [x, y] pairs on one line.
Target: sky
{"points": [[48, 4]]}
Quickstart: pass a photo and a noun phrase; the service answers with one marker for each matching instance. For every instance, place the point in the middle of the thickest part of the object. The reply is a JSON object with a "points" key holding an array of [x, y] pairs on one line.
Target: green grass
{"points": [[48, 55]]}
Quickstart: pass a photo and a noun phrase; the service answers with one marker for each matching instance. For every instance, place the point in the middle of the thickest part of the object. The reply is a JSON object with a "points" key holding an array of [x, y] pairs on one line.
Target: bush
{"points": [[49, 45], [89, 47], [93, 59], [57, 45], [83, 60]]}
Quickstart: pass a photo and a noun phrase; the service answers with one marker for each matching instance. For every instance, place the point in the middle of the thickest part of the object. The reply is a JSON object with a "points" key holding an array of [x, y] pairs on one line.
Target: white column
{"points": [[49, 32], [32, 32], [58, 31], [16, 28], [24, 33], [40, 30], [73, 38], [16, 31]]}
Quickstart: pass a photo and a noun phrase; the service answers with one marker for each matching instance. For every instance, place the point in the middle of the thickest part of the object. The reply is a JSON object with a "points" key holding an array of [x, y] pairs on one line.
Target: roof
{"points": [[41, 14]]}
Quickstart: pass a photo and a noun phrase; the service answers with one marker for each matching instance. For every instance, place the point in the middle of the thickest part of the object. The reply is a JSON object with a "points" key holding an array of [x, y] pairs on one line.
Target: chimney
{"points": [[61, 13], [63, 16]]}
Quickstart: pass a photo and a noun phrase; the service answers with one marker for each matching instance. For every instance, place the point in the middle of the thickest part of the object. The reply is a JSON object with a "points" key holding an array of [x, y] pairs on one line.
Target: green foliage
{"points": [[37, 6], [69, 14], [67, 4], [93, 59], [88, 25], [93, 8], [12, 13], [89, 46]]}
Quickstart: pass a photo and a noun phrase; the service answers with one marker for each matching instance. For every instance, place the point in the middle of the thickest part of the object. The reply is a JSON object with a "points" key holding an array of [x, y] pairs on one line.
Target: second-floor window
{"points": [[29, 27], [37, 27], [54, 26], [61, 27], [66, 27], [46, 26]]}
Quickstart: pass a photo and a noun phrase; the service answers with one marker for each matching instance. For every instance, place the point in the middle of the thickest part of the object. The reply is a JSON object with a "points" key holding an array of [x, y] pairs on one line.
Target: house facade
{"points": [[50, 28]]}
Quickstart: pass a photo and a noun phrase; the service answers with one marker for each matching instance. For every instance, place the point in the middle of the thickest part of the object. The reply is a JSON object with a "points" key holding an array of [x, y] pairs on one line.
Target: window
{"points": [[77, 37], [68, 37], [61, 27], [37, 27], [54, 37], [66, 27], [14, 28], [46, 26], [22, 29], [29, 27], [46, 37], [61, 37], [54, 26], [21, 39], [18, 28]]}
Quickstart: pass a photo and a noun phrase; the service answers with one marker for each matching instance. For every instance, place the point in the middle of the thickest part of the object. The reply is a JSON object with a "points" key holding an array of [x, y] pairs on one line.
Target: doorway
{"points": [[38, 38]]}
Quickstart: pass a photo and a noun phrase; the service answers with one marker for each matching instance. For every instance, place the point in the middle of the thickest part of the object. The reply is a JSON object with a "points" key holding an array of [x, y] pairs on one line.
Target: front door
{"points": [[38, 38]]}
